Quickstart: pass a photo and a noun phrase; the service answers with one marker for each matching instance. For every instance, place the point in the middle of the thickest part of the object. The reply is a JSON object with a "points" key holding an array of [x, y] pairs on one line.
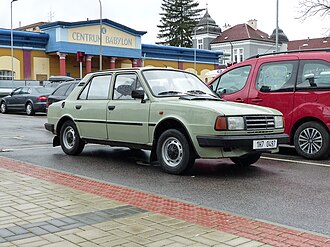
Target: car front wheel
{"points": [[174, 152], [70, 140], [246, 160], [311, 141], [3, 107], [29, 109]]}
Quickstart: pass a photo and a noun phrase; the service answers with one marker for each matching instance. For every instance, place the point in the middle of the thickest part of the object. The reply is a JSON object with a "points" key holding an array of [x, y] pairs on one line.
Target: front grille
{"points": [[259, 122]]}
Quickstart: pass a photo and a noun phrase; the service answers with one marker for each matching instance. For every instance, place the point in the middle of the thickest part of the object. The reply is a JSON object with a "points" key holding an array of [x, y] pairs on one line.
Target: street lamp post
{"points": [[100, 35], [276, 32], [12, 42]]}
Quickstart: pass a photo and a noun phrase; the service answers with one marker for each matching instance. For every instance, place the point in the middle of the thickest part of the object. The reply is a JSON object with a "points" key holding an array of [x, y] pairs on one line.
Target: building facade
{"points": [[74, 48]]}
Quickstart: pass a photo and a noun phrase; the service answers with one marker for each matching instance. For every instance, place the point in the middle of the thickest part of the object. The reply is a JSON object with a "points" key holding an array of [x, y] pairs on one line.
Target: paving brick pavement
{"points": [[44, 207]]}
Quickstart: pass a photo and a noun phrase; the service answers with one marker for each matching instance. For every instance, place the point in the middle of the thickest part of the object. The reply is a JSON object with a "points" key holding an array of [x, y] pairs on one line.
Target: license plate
{"points": [[264, 144]]}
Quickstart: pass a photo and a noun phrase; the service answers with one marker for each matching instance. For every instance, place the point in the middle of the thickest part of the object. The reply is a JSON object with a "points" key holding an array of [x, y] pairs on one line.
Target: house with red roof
{"points": [[245, 40], [304, 44]]}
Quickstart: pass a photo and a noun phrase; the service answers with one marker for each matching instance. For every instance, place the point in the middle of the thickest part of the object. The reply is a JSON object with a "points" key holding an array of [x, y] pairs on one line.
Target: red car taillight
{"points": [[42, 98]]}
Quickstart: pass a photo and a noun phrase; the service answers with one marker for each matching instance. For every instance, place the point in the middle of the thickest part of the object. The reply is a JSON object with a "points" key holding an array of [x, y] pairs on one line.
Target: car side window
{"points": [[124, 85], [277, 76], [17, 91], [70, 89], [314, 74], [233, 81], [61, 90], [97, 88], [25, 90]]}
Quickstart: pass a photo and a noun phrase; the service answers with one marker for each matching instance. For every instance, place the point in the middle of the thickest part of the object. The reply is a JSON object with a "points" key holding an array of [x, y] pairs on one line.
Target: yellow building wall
{"points": [[5, 62], [54, 65], [160, 63]]}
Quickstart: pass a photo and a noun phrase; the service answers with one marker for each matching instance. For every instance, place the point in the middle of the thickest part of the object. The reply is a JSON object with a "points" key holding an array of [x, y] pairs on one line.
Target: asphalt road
{"points": [[283, 188]]}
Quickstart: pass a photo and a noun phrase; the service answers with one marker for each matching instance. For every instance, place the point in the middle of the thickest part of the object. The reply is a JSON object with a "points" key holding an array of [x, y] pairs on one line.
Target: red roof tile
{"points": [[241, 32], [309, 44]]}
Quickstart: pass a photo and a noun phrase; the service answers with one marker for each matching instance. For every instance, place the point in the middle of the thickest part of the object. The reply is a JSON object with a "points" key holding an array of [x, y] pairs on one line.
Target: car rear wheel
{"points": [[174, 152], [29, 109], [3, 107], [70, 140], [311, 140], [246, 160]]}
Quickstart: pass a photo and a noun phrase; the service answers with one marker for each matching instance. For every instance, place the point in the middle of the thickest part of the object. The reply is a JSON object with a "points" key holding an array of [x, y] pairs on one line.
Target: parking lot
{"points": [[281, 188]]}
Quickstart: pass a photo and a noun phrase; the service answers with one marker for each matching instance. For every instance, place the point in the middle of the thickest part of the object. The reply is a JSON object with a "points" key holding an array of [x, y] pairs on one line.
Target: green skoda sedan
{"points": [[170, 112]]}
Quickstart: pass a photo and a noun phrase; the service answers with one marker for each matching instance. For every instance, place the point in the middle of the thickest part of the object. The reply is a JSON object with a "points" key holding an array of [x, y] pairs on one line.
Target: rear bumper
{"points": [[238, 141], [50, 127]]}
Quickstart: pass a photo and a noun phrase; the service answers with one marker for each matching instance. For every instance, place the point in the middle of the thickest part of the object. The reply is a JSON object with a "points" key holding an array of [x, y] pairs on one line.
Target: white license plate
{"points": [[264, 144]]}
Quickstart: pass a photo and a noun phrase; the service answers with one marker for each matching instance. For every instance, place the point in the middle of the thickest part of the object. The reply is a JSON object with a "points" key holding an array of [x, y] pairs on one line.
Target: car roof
{"points": [[306, 53], [59, 78]]}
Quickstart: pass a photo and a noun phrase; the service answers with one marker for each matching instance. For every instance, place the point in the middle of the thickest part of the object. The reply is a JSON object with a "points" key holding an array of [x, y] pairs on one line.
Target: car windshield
{"points": [[175, 83]]}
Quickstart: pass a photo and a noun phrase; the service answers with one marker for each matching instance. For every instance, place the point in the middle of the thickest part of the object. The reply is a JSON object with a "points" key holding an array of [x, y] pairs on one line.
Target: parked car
{"points": [[297, 83], [170, 112], [61, 92], [30, 99], [55, 81]]}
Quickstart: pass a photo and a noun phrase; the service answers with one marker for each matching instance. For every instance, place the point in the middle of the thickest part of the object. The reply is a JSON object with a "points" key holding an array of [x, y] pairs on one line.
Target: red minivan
{"points": [[297, 83]]}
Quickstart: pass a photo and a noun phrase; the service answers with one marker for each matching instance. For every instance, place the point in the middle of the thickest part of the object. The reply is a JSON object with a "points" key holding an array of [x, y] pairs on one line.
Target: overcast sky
{"points": [[143, 15]]}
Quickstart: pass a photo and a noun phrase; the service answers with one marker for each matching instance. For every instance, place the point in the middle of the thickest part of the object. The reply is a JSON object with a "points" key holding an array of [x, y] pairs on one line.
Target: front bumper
{"points": [[238, 141]]}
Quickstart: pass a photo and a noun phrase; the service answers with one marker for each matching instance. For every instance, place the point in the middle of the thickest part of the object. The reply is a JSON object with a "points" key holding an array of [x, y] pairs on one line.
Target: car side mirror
{"points": [[265, 88], [138, 94]]}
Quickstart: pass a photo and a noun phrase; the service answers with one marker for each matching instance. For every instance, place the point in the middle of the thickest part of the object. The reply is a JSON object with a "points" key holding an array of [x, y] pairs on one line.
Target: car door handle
{"points": [[239, 100], [256, 100], [78, 107], [111, 107]]}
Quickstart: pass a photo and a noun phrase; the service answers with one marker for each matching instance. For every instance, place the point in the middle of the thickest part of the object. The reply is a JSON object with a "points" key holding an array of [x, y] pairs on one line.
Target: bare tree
{"points": [[309, 8]]}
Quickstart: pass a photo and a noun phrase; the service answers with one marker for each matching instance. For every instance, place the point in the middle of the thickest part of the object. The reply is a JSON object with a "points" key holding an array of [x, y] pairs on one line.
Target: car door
{"points": [[90, 109], [273, 87], [234, 84], [127, 118], [312, 90], [13, 100], [23, 95]]}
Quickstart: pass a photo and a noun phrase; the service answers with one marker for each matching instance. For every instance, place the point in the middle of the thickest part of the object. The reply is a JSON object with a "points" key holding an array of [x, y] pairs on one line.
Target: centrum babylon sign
{"points": [[94, 38]]}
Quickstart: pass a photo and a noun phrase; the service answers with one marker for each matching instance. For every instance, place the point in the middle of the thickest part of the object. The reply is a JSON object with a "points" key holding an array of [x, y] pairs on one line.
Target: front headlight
{"points": [[229, 123], [278, 122]]}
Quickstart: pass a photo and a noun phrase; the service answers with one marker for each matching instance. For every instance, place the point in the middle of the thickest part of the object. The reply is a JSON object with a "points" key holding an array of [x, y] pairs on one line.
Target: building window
{"points": [[241, 55], [200, 44], [6, 75]]}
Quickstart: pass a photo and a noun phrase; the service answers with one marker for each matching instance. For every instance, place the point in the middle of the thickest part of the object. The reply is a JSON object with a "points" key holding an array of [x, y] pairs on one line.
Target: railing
{"points": [[6, 86]]}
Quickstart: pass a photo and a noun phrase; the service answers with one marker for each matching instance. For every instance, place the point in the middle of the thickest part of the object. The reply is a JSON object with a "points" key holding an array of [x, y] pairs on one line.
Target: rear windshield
{"points": [[44, 90]]}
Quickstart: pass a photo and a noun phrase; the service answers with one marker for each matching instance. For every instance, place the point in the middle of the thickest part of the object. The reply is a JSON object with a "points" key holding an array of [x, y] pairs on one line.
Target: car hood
{"points": [[226, 108]]}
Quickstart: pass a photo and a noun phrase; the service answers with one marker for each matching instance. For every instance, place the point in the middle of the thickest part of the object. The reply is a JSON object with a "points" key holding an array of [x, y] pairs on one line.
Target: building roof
{"points": [[116, 25], [24, 39], [242, 32], [207, 25], [30, 27], [282, 38], [304, 44]]}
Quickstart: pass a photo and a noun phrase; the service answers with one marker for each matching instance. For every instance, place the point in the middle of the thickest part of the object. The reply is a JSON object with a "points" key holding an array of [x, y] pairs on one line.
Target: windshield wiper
{"points": [[169, 92], [196, 91]]}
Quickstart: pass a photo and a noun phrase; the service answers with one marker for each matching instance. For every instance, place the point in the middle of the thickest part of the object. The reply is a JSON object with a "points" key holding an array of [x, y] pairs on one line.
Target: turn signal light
{"points": [[221, 123]]}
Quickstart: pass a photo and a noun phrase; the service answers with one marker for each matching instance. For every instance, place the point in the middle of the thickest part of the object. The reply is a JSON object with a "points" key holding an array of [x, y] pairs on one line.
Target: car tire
{"points": [[311, 141], [246, 160], [174, 152], [29, 109], [3, 107], [70, 140]]}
